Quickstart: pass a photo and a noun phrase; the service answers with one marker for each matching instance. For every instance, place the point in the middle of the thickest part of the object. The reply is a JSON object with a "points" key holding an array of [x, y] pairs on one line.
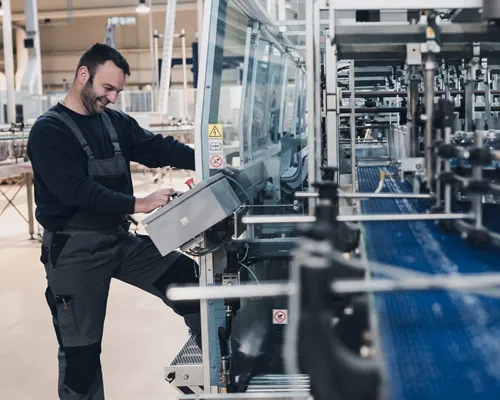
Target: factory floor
{"points": [[141, 333]]}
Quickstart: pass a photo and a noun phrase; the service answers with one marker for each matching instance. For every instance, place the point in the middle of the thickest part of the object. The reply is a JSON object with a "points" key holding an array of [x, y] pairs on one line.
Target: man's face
{"points": [[107, 83]]}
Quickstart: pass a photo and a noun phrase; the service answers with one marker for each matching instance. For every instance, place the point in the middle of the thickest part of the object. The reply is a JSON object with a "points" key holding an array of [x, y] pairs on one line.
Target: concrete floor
{"points": [[141, 333]]}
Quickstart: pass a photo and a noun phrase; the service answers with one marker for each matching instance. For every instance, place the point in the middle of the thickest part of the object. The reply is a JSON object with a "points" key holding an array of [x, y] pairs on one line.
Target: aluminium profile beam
{"points": [[405, 4]]}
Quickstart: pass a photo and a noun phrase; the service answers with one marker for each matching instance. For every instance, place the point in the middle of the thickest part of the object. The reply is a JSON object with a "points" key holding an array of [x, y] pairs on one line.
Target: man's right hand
{"points": [[153, 201]]}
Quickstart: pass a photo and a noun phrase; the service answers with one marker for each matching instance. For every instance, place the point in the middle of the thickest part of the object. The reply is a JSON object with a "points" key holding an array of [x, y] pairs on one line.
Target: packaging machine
{"points": [[345, 257]]}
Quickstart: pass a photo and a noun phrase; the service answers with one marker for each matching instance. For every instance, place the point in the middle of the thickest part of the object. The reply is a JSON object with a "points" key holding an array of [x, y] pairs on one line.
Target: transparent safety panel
{"points": [[251, 102]]}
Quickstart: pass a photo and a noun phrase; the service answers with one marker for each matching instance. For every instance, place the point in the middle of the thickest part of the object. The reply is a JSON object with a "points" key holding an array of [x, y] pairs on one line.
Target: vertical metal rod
{"points": [[311, 103], [447, 168], [156, 72], [439, 167], [469, 99], [284, 93], [447, 93], [353, 125], [332, 139], [201, 5], [184, 72], [154, 75], [487, 95], [477, 173], [317, 89], [296, 97], [430, 68], [252, 94], [8, 56], [29, 191], [412, 108], [249, 55]]}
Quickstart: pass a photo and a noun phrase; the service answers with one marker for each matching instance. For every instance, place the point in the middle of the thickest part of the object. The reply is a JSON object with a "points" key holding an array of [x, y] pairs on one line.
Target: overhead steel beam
{"points": [[102, 11], [370, 34], [405, 4]]}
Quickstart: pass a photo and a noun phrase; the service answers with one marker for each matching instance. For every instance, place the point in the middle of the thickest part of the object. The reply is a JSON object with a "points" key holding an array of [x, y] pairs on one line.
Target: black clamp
{"points": [[480, 156], [447, 177], [447, 151], [477, 186]]}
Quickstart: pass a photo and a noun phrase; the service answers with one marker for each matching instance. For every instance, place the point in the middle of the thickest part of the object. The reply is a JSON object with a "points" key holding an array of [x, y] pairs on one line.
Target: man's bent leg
{"points": [[79, 272], [144, 267]]}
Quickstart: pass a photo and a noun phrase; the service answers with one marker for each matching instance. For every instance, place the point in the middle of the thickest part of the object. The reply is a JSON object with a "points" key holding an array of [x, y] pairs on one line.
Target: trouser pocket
{"points": [[66, 317]]}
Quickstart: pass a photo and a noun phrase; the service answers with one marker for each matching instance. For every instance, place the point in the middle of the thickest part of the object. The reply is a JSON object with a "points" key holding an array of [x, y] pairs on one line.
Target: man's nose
{"points": [[112, 97]]}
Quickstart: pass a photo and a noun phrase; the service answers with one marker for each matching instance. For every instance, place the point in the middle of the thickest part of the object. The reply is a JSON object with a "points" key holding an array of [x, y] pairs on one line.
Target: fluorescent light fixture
{"points": [[142, 8]]}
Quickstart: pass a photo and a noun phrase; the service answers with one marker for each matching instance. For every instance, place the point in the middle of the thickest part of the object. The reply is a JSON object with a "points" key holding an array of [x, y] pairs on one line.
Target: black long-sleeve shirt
{"points": [[61, 180]]}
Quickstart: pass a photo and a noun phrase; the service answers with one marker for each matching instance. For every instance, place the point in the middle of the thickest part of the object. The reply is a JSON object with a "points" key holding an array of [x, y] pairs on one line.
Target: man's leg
{"points": [[144, 267], [79, 270]]}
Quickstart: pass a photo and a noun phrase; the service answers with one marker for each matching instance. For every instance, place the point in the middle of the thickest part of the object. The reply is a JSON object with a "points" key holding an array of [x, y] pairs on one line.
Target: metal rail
{"points": [[369, 195], [299, 219]]}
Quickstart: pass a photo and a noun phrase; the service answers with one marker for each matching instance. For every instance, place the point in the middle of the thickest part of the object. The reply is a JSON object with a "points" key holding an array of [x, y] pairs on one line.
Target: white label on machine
{"points": [[184, 221], [280, 317], [215, 146]]}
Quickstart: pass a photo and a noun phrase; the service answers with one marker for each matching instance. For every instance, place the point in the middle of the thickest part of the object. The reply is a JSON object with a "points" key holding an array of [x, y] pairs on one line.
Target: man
{"points": [[80, 151]]}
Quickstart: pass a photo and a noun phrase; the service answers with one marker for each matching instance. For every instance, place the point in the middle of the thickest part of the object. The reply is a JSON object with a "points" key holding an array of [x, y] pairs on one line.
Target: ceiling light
{"points": [[142, 8]]}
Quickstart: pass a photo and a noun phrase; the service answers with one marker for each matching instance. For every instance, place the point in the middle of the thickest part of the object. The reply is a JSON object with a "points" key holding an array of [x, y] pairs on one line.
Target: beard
{"points": [[92, 103]]}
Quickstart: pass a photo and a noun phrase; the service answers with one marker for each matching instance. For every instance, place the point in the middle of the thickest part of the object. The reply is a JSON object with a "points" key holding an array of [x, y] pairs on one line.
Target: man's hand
{"points": [[153, 201]]}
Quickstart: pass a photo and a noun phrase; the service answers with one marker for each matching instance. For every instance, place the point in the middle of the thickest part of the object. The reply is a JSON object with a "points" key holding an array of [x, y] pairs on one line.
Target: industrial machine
{"points": [[351, 251]]}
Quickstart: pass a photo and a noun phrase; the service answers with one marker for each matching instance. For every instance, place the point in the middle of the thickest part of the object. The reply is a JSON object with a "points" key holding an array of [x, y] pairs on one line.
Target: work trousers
{"points": [[79, 267]]}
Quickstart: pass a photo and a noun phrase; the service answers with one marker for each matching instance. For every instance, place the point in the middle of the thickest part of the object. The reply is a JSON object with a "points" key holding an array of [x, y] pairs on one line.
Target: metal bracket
{"points": [[413, 54], [331, 102], [414, 164]]}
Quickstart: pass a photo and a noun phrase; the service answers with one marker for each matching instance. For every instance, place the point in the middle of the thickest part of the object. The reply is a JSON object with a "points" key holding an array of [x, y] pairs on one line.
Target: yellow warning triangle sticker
{"points": [[215, 133]]}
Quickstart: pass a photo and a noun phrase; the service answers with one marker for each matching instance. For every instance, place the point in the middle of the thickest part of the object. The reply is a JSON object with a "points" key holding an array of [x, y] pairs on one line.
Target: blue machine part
{"points": [[435, 344], [216, 318]]}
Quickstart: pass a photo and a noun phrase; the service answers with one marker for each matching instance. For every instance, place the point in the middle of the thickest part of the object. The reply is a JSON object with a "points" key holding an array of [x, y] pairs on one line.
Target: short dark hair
{"points": [[97, 55]]}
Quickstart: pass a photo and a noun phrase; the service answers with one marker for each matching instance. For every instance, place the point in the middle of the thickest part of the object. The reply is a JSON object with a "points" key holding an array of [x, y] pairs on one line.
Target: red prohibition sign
{"points": [[279, 316], [216, 161]]}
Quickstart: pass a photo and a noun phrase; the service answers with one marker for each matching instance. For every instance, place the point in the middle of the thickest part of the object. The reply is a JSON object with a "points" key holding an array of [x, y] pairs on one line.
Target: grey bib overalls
{"points": [[80, 261]]}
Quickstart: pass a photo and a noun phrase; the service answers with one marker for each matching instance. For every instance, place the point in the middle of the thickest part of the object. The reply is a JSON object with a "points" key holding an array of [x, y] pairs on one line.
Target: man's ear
{"points": [[83, 76]]}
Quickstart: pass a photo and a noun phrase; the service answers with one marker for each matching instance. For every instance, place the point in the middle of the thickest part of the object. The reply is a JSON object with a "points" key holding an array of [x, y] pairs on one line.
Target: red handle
{"points": [[190, 182]]}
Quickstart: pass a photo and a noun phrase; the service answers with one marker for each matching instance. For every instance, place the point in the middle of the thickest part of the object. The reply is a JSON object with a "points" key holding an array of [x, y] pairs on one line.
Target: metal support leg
{"points": [[412, 108], [332, 103], [184, 73], [430, 69], [469, 99], [317, 88], [353, 126], [311, 102], [8, 54], [487, 95], [477, 173], [447, 168], [29, 193]]}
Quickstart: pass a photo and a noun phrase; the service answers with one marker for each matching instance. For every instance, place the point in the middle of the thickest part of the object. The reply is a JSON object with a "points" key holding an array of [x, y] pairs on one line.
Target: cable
{"points": [[254, 276], [249, 270], [241, 188], [204, 252]]}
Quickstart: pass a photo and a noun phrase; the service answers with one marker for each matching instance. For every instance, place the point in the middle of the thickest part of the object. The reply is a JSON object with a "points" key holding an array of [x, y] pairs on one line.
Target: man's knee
{"points": [[183, 271], [82, 367]]}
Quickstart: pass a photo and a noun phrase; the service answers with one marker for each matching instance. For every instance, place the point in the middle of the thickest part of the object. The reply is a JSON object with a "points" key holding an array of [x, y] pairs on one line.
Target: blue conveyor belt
{"points": [[435, 345]]}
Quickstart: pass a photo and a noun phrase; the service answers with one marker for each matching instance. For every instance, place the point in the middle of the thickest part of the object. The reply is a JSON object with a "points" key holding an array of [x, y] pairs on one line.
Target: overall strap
{"points": [[112, 133], [66, 119]]}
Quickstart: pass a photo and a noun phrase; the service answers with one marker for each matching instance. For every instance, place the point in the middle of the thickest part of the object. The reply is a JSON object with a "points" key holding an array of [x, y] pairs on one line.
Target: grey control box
{"points": [[192, 213]]}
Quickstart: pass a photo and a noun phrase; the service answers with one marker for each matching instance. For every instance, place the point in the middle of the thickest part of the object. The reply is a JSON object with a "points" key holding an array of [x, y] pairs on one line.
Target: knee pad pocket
{"points": [[82, 366]]}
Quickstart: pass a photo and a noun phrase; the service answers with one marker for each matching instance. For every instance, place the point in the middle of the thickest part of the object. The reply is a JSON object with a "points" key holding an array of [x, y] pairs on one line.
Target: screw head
{"points": [[185, 377]]}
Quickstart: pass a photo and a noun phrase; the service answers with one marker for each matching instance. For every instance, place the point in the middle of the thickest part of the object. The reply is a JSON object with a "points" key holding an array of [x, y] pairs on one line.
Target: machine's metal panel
{"points": [[435, 344], [191, 214]]}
